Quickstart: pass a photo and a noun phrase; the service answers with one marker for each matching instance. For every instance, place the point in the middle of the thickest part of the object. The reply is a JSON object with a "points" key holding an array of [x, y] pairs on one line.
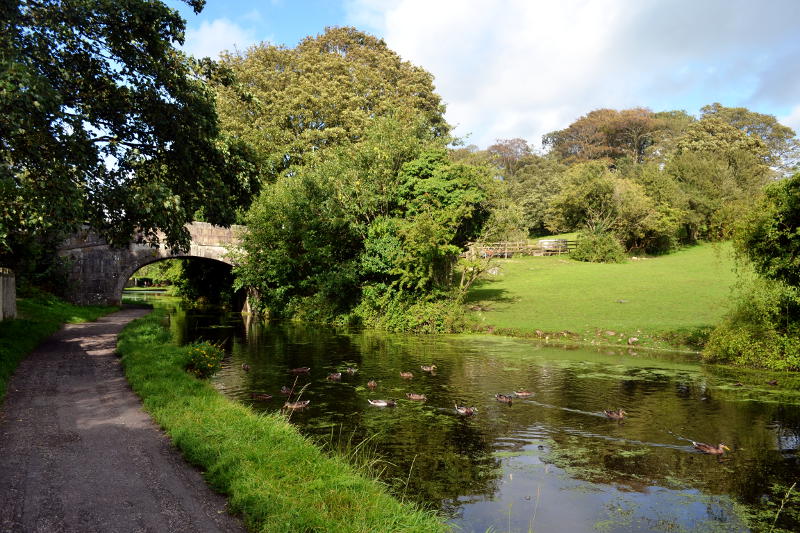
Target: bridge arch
{"points": [[98, 272]]}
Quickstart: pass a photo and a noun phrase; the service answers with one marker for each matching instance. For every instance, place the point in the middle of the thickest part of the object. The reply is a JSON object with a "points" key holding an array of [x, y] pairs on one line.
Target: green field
{"points": [[661, 300]]}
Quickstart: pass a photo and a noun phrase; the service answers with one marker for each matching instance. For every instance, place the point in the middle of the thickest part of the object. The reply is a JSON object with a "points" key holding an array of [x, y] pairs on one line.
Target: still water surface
{"points": [[550, 462]]}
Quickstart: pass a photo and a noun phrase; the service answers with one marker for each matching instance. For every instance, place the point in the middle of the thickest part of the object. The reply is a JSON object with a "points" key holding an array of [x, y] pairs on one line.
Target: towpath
{"points": [[77, 453]]}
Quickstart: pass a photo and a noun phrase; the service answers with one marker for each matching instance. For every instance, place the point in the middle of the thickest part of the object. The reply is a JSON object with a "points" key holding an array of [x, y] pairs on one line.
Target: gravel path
{"points": [[77, 453]]}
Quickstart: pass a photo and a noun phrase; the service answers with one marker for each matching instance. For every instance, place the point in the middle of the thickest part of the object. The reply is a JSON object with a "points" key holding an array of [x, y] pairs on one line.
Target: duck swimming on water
{"points": [[719, 449], [619, 414], [505, 398], [466, 411], [382, 403], [296, 405]]}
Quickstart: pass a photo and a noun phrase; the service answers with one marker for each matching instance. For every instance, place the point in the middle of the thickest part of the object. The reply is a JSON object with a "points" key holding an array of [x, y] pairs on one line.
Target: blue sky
{"points": [[522, 68]]}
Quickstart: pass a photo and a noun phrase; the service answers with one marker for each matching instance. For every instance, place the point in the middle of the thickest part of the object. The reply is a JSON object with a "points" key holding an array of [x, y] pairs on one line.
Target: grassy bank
{"points": [[37, 318], [663, 301], [275, 478]]}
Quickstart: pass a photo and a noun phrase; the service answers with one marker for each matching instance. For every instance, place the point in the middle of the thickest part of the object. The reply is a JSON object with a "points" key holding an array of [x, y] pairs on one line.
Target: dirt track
{"points": [[77, 453]]}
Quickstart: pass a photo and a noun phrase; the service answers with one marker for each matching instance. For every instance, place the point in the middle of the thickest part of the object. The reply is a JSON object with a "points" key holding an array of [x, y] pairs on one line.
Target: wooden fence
{"points": [[510, 249]]}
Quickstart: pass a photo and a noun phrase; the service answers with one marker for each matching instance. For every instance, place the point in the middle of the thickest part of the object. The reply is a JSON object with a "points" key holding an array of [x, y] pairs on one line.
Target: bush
{"points": [[762, 329], [598, 246], [204, 359], [391, 312]]}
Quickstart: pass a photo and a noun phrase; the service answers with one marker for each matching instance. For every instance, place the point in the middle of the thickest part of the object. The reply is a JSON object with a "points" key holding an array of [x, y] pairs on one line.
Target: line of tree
{"points": [[337, 156], [638, 181]]}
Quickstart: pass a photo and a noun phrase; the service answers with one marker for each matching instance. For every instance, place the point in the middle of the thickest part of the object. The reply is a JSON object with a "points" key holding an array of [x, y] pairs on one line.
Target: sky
{"points": [[523, 68]]}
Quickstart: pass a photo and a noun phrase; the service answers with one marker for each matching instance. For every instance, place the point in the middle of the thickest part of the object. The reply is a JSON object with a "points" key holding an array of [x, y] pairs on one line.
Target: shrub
{"points": [[761, 330], [598, 246], [204, 359]]}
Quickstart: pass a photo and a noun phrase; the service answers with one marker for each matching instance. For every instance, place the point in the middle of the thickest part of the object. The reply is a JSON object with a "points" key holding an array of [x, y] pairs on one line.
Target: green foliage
{"points": [[780, 140], [770, 236], [274, 478], [761, 330], [291, 103], [204, 359], [599, 246], [86, 83], [40, 314], [389, 211]]}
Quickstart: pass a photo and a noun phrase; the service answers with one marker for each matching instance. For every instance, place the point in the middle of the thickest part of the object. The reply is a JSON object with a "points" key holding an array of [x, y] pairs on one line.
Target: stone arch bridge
{"points": [[98, 272]]}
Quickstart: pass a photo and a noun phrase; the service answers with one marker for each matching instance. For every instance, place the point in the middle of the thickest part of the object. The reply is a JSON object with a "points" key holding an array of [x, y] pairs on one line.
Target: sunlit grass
{"points": [[274, 477], [654, 299], [38, 318]]}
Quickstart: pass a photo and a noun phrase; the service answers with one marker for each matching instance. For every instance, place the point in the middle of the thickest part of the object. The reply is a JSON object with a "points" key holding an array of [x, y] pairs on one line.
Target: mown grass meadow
{"points": [[664, 300]]}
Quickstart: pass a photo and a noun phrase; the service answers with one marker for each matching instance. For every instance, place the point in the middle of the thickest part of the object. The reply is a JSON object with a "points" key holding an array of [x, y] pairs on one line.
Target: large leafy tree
{"points": [[105, 122], [780, 140], [606, 133], [290, 103]]}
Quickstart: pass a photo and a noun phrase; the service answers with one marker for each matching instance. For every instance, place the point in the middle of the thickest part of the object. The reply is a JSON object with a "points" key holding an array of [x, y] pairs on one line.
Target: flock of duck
{"points": [[613, 414]]}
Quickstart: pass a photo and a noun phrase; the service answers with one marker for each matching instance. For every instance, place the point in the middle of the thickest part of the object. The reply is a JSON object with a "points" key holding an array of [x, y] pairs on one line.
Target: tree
{"points": [[606, 133], [104, 122], [780, 140], [374, 226], [770, 235], [289, 103], [510, 154]]}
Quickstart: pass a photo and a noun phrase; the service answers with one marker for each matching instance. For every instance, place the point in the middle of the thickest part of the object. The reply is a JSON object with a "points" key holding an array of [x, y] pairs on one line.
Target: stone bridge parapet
{"points": [[98, 272]]}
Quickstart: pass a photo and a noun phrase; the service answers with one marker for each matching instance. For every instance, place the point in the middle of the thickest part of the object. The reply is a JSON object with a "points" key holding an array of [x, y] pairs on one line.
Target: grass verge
{"points": [[275, 478], [665, 301], [38, 318]]}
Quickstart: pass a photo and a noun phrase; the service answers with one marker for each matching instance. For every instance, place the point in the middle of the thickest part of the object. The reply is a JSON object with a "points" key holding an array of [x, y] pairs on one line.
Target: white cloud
{"points": [[519, 68], [213, 37]]}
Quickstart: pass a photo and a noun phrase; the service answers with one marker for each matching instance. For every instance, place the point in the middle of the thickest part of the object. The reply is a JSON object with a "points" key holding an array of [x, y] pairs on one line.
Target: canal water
{"points": [[549, 462]]}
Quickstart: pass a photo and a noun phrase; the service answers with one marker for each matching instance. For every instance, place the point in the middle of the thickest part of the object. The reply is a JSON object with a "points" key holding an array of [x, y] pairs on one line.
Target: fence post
{"points": [[8, 294]]}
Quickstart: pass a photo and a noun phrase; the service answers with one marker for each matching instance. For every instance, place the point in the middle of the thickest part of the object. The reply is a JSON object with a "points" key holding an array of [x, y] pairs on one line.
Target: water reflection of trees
{"points": [[439, 458]]}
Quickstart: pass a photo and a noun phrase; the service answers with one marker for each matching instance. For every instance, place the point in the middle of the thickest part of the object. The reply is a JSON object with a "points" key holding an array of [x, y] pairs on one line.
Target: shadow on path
{"points": [[77, 453]]}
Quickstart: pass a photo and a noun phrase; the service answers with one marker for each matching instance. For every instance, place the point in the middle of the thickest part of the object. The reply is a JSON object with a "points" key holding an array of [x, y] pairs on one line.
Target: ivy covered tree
{"points": [[103, 121]]}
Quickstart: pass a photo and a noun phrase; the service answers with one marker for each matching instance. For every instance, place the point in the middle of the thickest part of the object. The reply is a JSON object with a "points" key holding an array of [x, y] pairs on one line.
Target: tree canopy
{"points": [[104, 122], [292, 102]]}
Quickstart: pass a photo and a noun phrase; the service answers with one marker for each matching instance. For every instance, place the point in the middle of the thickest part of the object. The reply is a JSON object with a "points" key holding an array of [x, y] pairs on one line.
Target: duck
{"points": [[428, 368], [406, 375], [503, 398], [707, 448], [466, 411], [286, 390], [619, 414], [522, 393], [772, 382], [350, 370], [300, 370], [372, 384], [245, 367], [382, 403], [297, 405], [415, 396], [335, 376], [261, 397]]}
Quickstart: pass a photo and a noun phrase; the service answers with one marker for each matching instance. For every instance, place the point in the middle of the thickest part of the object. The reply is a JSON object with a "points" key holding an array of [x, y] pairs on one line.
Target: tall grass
{"points": [[38, 318], [275, 478]]}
